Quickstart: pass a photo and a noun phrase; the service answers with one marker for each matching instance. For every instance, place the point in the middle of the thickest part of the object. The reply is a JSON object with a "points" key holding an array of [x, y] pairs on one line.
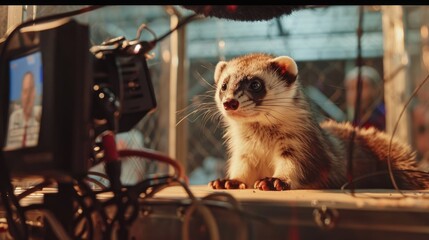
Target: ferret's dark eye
{"points": [[255, 85], [224, 87]]}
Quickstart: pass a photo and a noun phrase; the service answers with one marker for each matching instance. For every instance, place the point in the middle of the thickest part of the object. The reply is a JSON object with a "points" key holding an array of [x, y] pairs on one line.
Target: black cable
{"points": [[146, 184], [98, 174], [389, 161], [84, 209], [131, 197], [96, 182], [84, 212], [34, 189], [96, 204], [8, 197], [179, 25], [147, 46], [93, 195], [356, 118]]}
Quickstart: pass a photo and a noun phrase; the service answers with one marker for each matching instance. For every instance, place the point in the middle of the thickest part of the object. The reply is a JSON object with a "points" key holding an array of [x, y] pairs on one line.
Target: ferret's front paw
{"points": [[271, 184], [227, 184]]}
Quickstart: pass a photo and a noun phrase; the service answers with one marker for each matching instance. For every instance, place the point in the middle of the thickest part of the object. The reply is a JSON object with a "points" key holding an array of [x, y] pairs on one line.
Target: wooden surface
{"points": [[370, 198], [295, 214], [311, 214]]}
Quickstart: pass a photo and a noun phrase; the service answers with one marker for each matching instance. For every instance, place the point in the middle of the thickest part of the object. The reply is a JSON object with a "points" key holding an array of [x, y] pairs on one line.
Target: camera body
{"points": [[120, 67]]}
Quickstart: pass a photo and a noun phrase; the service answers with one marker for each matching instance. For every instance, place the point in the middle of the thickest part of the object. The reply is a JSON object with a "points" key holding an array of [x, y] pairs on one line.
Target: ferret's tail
{"points": [[411, 179], [399, 179]]}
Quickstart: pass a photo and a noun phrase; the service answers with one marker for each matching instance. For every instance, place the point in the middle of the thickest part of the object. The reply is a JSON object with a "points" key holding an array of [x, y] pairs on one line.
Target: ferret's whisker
{"points": [[187, 115], [198, 76], [200, 109]]}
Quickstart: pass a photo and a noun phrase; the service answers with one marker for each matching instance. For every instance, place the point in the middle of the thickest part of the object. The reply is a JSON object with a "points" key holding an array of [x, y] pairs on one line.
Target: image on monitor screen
{"points": [[25, 101]]}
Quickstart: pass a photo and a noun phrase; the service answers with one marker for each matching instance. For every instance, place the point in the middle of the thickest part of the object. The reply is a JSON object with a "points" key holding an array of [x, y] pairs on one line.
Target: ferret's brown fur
{"points": [[275, 141]]}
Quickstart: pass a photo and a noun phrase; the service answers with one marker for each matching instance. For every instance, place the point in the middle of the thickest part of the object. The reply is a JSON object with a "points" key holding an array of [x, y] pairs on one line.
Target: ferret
{"points": [[275, 140]]}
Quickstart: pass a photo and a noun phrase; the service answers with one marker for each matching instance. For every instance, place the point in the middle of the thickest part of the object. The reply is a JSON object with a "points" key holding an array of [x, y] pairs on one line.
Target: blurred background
{"points": [[322, 39]]}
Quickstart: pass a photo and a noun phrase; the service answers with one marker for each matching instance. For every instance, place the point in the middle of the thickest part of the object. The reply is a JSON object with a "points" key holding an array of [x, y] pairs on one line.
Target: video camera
{"points": [[78, 92]]}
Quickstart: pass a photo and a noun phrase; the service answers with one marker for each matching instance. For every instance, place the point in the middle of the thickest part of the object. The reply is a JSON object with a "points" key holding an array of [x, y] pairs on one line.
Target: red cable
{"points": [[111, 154], [110, 150], [152, 154]]}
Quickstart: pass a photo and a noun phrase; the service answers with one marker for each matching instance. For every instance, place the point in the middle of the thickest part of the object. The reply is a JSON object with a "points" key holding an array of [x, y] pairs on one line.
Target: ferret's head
{"points": [[256, 87]]}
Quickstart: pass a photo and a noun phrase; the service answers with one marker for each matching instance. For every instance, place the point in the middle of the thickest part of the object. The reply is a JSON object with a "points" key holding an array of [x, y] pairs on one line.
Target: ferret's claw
{"points": [[227, 184], [271, 184]]}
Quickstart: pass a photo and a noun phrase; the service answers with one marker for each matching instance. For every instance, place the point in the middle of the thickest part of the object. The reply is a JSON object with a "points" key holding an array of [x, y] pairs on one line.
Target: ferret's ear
{"points": [[286, 68], [219, 69]]}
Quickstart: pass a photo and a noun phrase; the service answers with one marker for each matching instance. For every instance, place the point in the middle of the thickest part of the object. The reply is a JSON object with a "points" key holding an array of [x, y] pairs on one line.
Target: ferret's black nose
{"points": [[230, 104]]}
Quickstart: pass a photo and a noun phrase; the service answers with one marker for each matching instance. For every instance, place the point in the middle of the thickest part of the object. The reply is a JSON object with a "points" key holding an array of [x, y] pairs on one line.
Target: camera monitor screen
{"points": [[45, 100], [25, 101]]}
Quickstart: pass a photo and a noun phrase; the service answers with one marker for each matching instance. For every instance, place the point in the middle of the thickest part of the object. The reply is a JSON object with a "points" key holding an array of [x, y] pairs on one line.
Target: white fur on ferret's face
{"points": [[256, 88]]}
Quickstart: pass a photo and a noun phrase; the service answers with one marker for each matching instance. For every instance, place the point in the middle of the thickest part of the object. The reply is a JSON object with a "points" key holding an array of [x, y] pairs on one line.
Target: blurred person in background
{"points": [[372, 108]]}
